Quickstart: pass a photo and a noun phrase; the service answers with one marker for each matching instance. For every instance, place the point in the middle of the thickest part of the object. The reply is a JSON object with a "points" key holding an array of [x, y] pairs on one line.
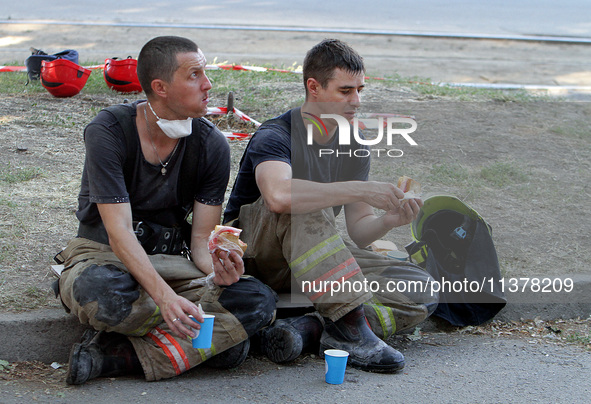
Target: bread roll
{"points": [[410, 187], [226, 238]]}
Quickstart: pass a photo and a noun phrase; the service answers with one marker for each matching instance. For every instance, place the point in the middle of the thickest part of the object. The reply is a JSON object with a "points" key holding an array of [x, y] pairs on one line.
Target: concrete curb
{"points": [[47, 335], [546, 303]]}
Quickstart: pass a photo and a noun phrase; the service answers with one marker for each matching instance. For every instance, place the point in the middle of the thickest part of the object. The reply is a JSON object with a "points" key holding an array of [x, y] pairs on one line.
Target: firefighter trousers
{"points": [[98, 289], [304, 254]]}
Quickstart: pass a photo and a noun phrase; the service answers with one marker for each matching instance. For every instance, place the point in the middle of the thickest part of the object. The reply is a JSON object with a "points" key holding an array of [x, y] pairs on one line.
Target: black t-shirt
{"points": [[152, 196], [287, 142]]}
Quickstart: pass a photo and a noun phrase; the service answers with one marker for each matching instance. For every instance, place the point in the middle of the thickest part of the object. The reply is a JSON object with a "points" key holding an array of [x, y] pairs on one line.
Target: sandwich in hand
{"points": [[226, 238], [410, 187]]}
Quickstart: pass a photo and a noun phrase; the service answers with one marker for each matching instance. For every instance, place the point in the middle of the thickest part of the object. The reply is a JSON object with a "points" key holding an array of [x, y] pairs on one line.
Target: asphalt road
{"points": [[441, 368], [493, 17]]}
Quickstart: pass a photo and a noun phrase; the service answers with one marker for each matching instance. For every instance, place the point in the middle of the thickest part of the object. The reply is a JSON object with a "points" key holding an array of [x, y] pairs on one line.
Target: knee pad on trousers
{"points": [[252, 302], [114, 291]]}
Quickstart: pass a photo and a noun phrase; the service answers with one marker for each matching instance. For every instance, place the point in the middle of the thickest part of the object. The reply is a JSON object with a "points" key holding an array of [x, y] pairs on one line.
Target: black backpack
{"points": [[454, 244]]}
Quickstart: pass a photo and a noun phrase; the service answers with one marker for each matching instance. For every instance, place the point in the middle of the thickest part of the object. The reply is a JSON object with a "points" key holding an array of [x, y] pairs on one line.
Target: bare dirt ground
{"points": [[525, 166]]}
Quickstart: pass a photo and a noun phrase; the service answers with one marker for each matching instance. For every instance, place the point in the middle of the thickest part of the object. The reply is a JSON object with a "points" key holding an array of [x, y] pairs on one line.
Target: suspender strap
{"points": [[157, 239]]}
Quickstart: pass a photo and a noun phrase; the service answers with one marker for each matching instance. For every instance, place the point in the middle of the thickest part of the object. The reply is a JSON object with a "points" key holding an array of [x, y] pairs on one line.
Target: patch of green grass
{"points": [[500, 174], [575, 130], [7, 202], [449, 174], [426, 87], [16, 83], [4, 365], [12, 174], [497, 175], [6, 251], [253, 83], [35, 292], [472, 93], [224, 81], [96, 83], [245, 78], [31, 299], [578, 338], [257, 92], [51, 119]]}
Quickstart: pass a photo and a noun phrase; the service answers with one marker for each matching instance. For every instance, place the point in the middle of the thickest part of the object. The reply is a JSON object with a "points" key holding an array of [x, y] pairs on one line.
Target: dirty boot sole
{"points": [[390, 368], [72, 375], [370, 367], [230, 358], [281, 343], [390, 363]]}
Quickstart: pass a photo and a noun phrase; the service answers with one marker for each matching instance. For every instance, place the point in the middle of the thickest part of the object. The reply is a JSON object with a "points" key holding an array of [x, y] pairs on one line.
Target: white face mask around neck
{"points": [[174, 129]]}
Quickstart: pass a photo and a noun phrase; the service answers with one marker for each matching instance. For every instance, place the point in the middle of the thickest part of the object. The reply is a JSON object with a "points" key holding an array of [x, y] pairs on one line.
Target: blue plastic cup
{"points": [[203, 336], [399, 255], [335, 363]]}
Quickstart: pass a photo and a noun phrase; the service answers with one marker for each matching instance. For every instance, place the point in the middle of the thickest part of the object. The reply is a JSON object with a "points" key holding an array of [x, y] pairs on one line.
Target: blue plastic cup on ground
{"points": [[335, 363], [203, 336]]}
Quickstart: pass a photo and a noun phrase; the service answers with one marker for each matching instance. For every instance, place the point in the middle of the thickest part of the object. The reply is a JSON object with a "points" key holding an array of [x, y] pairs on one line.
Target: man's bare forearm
{"points": [[127, 248], [309, 196]]}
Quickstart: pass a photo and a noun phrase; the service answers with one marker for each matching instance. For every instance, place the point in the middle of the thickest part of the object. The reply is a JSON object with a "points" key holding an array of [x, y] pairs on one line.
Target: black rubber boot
{"points": [[230, 358], [286, 339], [86, 359], [101, 354], [367, 352], [120, 358]]}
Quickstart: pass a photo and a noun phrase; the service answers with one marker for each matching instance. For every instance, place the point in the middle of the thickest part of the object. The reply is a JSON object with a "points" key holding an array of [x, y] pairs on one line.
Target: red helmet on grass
{"points": [[121, 75], [63, 78]]}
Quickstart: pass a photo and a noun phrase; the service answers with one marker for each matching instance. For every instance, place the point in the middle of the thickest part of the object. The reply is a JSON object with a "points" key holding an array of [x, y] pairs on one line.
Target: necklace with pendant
{"points": [[163, 165]]}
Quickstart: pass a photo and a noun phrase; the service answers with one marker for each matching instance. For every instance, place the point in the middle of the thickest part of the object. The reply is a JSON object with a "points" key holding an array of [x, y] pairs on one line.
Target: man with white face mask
{"points": [[137, 269]]}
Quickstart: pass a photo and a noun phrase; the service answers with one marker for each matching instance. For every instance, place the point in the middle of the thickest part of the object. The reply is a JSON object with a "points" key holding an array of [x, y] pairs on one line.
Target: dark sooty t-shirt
{"points": [[274, 142], [152, 196]]}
